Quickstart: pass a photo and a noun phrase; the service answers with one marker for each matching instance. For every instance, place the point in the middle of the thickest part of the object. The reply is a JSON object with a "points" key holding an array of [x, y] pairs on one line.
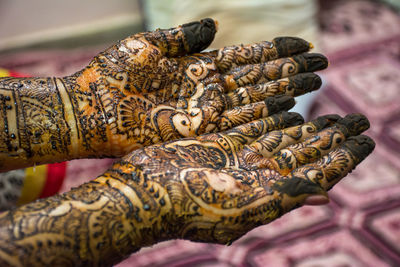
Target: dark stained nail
{"points": [[355, 124], [292, 118], [199, 34], [279, 103], [326, 120], [304, 83], [360, 146], [311, 62], [295, 186], [288, 46]]}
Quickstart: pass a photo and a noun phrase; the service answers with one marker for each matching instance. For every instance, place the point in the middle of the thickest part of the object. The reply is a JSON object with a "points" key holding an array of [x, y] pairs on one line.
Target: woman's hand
{"points": [[213, 188], [153, 87], [219, 186], [149, 88]]}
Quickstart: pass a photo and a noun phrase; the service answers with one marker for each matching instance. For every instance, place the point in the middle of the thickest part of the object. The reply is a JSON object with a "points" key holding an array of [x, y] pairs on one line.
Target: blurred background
{"points": [[361, 38]]}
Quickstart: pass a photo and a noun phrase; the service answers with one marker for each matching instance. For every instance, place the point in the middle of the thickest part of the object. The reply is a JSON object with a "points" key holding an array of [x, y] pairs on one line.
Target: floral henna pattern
{"points": [[35, 122], [316, 146], [149, 88], [201, 189]]}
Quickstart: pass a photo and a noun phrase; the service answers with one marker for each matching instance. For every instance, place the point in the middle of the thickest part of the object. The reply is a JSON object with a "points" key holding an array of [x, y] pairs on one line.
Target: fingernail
{"points": [[304, 82], [292, 118], [355, 123], [326, 120], [279, 103], [199, 34], [360, 146], [316, 200], [312, 61], [287, 46]]}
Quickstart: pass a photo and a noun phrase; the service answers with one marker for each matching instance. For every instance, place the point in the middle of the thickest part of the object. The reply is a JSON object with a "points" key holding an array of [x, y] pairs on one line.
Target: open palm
{"points": [[219, 186], [154, 86], [211, 188]]}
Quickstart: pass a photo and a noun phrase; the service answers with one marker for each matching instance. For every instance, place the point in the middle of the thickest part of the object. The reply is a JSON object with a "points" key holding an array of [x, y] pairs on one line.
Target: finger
{"points": [[272, 142], [203, 116], [330, 169], [276, 195], [315, 146], [316, 178], [244, 114], [185, 39], [246, 133], [293, 86], [273, 70], [232, 56]]}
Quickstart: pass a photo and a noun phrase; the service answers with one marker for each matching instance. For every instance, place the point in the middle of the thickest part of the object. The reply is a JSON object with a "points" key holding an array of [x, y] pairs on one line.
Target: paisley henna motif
{"points": [[208, 188], [148, 88]]}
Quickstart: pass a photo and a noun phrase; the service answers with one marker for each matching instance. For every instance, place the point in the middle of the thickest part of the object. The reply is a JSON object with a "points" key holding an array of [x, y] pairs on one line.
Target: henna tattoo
{"points": [[234, 56], [239, 55], [194, 188], [148, 88], [293, 86], [274, 141], [274, 69], [328, 170], [312, 148], [72, 232], [35, 127]]}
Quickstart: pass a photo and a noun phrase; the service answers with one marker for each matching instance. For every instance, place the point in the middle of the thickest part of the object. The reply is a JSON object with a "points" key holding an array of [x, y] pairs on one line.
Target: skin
{"points": [[149, 88], [152, 88], [211, 188]]}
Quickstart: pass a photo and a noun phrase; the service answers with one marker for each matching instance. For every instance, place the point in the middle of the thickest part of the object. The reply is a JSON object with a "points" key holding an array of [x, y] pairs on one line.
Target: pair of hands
{"points": [[230, 182], [256, 163], [218, 186], [153, 87]]}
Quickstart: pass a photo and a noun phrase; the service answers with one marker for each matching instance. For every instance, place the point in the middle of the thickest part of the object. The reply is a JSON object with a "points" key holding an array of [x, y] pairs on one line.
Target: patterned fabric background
{"points": [[361, 225]]}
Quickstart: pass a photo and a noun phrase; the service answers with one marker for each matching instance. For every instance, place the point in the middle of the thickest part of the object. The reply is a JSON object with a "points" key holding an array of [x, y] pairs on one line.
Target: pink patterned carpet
{"points": [[361, 225]]}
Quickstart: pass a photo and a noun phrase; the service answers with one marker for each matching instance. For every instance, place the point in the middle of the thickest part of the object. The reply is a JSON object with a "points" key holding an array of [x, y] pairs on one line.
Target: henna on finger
{"points": [[273, 70], [243, 114], [331, 168], [272, 195], [313, 148], [272, 142], [147, 88], [188, 38], [246, 133], [296, 85], [230, 142], [232, 56]]}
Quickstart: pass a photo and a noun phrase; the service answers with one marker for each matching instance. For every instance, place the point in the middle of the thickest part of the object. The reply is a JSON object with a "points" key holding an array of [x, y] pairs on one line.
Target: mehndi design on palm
{"points": [[212, 188], [149, 88]]}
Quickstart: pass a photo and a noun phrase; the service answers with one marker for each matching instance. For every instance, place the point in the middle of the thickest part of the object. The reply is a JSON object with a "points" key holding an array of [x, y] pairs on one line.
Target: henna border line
{"points": [[65, 140], [70, 101], [66, 98]]}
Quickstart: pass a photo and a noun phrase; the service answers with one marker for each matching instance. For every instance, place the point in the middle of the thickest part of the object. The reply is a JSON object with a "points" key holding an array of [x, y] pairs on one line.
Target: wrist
{"points": [[34, 121], [148, 205], [87, 115], [99, 102]]}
